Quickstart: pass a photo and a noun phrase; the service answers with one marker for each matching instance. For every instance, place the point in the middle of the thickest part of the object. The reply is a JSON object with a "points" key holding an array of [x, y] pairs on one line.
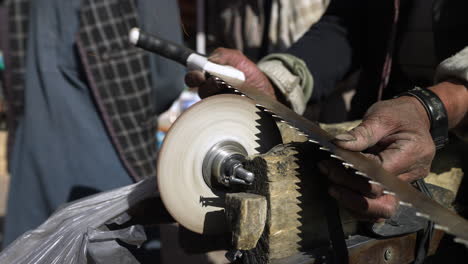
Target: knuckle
{"points": [[362, 207], [389, 207], [430, 150], [375, 190], [425, 150], [382, 114], [387, 121]]}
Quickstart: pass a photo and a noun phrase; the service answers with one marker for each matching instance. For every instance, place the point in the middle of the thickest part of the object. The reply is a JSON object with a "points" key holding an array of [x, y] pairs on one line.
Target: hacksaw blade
{"points": [[445, 219]]}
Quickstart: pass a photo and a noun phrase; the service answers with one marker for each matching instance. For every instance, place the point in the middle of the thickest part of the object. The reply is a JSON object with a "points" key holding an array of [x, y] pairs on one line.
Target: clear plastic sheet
{"points": [[77, 233]]}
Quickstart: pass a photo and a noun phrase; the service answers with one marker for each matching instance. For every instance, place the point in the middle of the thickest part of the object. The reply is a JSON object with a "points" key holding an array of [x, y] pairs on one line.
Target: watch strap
{"points": [[436, 111]]}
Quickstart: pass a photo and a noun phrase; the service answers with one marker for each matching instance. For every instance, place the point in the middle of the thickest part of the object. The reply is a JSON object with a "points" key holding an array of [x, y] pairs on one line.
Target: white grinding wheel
{"points": [[190, 201]]}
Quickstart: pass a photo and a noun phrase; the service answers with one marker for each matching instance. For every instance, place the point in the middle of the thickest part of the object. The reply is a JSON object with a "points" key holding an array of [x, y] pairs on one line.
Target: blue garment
{"points": [[62, 150]]}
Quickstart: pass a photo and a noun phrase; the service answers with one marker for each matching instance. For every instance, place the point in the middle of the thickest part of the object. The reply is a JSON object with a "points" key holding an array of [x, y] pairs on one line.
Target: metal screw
{"points": [[388, 254], [235, 173], [244, 174], [233, 255]]}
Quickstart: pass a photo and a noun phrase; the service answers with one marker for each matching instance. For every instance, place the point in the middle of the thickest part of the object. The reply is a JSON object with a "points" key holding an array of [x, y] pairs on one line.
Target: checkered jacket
{"points": [[118, 75]]}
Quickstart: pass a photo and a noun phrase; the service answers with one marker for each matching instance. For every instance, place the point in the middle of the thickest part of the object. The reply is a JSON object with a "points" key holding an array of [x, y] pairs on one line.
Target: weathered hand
{"points": [[254, 77], [396, 134]]}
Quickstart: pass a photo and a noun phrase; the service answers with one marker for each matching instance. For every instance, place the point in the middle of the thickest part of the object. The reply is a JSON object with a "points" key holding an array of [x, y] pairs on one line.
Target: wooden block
{"points": [[246, 214]]}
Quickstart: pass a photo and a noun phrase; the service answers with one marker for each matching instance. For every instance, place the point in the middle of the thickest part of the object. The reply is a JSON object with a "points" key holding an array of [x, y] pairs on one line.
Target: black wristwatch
{"points": [[436, 111]]}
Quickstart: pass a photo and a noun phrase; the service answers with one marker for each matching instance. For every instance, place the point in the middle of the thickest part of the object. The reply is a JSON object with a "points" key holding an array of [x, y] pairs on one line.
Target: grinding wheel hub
{"points": [[221, 118]]}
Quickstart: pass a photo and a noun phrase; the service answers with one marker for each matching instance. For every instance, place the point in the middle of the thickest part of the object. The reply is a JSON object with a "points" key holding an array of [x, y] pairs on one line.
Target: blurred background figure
{"points": [[255, 27], [259, 27], [82, 101]]}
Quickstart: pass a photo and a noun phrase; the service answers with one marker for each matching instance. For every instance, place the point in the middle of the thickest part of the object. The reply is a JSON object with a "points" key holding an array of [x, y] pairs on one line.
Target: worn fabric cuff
{"points": [[291, 77], [455, 67]]}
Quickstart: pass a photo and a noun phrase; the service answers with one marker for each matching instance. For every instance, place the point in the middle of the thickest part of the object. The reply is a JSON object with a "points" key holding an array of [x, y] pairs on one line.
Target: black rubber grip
{"points": [[165, 48]]}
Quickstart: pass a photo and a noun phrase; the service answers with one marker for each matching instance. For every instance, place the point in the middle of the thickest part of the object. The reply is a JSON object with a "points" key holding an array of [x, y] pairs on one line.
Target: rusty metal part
{"points": [[395, 250]]}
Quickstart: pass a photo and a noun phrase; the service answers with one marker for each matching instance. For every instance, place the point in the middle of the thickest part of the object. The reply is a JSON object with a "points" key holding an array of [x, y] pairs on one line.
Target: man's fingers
{"points": [[412, 159], [227, 57], [361, 137], [382, 207], [194, 78], [366, 134], [206, 87]]}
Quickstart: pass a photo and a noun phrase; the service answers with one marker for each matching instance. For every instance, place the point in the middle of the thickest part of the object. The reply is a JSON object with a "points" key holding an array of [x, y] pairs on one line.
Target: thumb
{"points": [[225, 56], [194, 78], [364, 136]]}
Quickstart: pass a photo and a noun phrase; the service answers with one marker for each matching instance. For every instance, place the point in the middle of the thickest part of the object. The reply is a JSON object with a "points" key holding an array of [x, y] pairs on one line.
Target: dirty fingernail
{"points": [[345, 137]]}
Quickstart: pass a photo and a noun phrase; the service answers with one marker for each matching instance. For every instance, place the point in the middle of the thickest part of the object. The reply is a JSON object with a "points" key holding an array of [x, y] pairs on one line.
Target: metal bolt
{"points": [[388, 254], [234, 171], [233, 255], [244, 174], [223, 165]]}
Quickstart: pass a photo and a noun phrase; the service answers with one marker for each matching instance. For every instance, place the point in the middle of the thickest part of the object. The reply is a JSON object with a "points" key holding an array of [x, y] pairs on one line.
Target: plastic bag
{"points": [[76, 233]]}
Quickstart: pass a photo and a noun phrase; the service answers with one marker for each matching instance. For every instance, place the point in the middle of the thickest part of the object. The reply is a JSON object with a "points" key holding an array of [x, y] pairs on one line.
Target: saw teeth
{"points": [[461, 241], [422, 215], [405, 204], [442, 228], [347, 165], [264, 109], [336, 157], [375, 183], [325, 149], [313, 141], [360, 173], [388, 192]]}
